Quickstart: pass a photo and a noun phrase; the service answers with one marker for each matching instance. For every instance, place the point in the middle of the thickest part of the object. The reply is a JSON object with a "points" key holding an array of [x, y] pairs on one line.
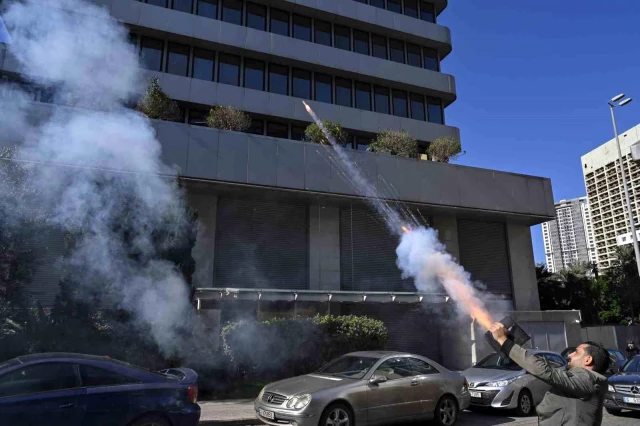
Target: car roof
{"points": [[59, 355]]}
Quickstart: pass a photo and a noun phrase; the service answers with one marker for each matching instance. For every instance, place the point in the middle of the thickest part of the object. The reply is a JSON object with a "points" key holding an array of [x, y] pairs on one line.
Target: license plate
{"points": [[475, 394], [267, 414], [631, 400]]}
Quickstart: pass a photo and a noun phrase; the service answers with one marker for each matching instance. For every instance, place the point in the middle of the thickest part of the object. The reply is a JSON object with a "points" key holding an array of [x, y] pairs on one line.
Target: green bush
{"points": [[228, 118], [395, 142], [157, 105], [314, 134], [289, 347], [444, 150]]}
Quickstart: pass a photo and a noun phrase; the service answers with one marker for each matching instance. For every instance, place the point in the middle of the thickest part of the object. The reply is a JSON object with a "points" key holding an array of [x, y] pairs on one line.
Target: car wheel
{"points": [[613, 411], [337, 415], [151, 420], [446, 412], [525, 403]]}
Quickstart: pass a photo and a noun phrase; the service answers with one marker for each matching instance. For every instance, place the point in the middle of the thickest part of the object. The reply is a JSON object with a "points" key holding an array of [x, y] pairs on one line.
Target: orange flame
{"points": [[405, 229]]}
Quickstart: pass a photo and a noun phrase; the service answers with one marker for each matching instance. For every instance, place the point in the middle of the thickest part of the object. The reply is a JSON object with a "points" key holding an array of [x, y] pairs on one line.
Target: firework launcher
{"points": [[514, 331]]}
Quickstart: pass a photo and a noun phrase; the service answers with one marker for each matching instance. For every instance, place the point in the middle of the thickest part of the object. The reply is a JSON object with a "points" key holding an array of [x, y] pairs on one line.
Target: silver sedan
{"points": [[366, 388]]}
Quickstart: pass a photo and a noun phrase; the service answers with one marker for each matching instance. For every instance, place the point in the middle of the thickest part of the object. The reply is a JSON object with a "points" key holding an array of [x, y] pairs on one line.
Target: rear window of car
{"points": [[95, 377]]}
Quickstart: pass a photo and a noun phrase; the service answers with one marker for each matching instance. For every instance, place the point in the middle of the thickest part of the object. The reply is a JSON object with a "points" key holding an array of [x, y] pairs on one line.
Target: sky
{"points": [[533, 80]]}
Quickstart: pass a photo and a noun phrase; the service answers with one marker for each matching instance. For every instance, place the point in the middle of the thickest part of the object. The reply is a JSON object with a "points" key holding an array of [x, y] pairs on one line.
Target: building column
{"points": [[324, 248], [204, 249], [523, 269]]}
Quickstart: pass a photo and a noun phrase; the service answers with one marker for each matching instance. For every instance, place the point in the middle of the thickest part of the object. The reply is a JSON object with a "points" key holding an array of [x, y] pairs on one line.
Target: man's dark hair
{"points": [[600, 356]]}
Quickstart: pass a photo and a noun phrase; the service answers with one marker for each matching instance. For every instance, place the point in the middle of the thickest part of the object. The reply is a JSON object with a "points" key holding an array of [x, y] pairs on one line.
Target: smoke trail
{"points": [[420, 255], [112, 195]]}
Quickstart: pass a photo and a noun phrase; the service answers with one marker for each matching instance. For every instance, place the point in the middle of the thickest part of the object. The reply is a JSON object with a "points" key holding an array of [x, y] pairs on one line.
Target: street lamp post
{"points": [[613, 103]]}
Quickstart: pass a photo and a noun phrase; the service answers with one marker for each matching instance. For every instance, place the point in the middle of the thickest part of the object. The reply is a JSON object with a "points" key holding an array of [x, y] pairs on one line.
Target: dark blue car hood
{"points": [[626, 378]]}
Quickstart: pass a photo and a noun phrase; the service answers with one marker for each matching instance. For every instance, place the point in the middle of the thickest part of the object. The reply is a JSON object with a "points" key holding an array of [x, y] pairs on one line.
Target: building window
{"points": [[379, 46], [182, 5], [198, 117], [377, 3], [301, 84], [396, 47], [394, 6], [431, 59], [414, 55], [381, 98], [411, 8], [161, 3], [343, 92], [278, 79], [322, 33], [400, 103], [203, 64], [256, 127], [434, 108], [207, 8], [277, 130], [229, 69], [361, 42], [256, 16], [323, 88], [232, 11], [253, 74], [363, 96], [427, 12], [302, 27], [151, 53], [362, 143], [342, 37], [297, 132], [279, 22], [178, 59]]}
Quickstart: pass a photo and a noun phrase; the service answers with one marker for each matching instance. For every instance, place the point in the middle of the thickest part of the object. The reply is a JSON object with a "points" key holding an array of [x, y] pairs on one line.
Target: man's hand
{"points": [[499, 332]]}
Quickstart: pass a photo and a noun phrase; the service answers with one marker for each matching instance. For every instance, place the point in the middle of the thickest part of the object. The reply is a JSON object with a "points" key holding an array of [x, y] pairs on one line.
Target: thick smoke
{"points": [[113, 193]]}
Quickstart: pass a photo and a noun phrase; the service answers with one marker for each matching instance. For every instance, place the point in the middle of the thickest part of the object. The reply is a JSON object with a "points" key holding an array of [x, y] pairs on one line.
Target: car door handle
{"points": [[69, 405]]}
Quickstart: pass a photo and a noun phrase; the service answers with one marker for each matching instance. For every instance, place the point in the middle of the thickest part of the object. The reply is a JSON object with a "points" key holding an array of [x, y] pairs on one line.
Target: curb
{"points": [[234, 422]]}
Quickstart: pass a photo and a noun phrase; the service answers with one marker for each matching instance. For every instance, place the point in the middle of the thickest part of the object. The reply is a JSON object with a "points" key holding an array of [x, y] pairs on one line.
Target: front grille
{"points": [[486, 399], [627, 389], [273, 398]]}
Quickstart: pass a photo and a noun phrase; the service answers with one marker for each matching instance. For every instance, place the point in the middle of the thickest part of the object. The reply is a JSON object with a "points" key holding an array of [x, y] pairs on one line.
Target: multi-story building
{"points": [[605, 192], [281, 232], [568, 239]]}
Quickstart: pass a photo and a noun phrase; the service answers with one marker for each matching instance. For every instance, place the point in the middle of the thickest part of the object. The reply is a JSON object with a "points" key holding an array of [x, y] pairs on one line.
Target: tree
{"points": [[395, 142], [623, 280], [444, 150], [314, 134], [157, 105], [228, 118]]}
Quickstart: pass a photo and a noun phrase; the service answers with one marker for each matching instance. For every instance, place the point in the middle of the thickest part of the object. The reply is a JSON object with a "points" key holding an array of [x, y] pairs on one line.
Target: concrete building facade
{"points": [[569, 239], [281, 233]]}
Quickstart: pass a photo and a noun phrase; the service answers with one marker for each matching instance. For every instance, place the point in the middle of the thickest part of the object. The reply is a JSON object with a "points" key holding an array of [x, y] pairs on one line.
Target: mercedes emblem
{"points": [[635, 390], [270, 398]]}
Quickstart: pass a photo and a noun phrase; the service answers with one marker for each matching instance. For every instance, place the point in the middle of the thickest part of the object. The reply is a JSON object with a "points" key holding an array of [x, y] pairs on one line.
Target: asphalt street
{"points": [[491, 418]]}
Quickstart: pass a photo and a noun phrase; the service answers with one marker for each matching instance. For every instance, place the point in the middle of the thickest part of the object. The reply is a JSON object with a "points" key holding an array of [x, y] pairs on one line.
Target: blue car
{"points": [[59, 389]]}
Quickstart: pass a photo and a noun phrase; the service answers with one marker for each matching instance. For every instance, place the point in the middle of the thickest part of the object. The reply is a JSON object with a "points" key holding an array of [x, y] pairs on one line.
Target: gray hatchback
{"points": [[367, 388]]}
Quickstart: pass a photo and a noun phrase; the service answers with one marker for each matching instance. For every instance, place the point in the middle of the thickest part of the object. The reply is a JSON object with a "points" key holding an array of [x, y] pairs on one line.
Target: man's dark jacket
{"points": [[576, 396]]}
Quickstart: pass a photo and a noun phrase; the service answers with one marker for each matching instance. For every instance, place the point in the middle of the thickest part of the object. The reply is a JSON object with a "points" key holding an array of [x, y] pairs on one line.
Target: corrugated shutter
{"points": [[49, 250], [261, 244], [410, 328], [484, 253]]}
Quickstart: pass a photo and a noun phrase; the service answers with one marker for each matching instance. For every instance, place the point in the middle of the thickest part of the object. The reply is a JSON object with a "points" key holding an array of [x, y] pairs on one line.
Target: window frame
{"points": [[320, 23], [246, 65], [168, 55], [222, 9], [271, 19], [310, 80], [295, 17], [173, 6], [315, 89], [335, 88], [384, 361], [84, 385], [434, 370], [220, 62], [250, 5], [193, 63], [73, 365], [217, 5], [337, 28], [288, 74]]}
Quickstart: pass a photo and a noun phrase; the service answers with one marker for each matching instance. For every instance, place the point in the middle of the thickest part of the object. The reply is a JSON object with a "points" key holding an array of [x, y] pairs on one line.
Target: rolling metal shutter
{"points": [[261, 244], [49, 249], [484, 254]]}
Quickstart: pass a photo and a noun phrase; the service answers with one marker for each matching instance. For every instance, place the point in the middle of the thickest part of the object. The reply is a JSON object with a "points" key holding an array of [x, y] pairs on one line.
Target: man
{"points": [[577, 393]]}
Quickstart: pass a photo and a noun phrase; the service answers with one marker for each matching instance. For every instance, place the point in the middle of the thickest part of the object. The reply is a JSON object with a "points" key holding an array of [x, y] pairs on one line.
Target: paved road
{"points": [[493, 418]]}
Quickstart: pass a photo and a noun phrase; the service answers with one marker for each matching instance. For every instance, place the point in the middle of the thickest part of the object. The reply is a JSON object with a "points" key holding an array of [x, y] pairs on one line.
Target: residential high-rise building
{"points": [[605, 192], [569, 239]]}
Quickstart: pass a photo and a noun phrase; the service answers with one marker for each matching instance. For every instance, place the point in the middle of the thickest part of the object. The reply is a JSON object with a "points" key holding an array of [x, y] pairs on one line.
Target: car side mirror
{"points": [[376, 380]]}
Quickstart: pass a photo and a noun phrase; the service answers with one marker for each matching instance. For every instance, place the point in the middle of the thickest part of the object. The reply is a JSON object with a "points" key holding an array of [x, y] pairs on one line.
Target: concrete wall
{"points": [[523, 273], [324, 248], [612, 336]]}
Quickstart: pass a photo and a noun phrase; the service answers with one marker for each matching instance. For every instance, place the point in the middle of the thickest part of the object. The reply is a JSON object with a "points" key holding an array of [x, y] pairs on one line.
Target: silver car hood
{"points": [[476, 375], [306, 384]]}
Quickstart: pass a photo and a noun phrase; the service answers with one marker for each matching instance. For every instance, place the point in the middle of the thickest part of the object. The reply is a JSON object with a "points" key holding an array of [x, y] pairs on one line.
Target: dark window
{"points": [[182, 5], [277, 130], [297, 132], [301, 84], [394, 6], [434, 109], [362, 143], [417, 107], [256, 16], [151, 53], [362, 1], [207, 8], [431, 59], [92, 376], [232, 11], [396, 48], [322, 33], [394, 368], [411, 8], [253, 74], [279, 22], [323, 88], [302, 27], [177, 59], [342, 37], [361, 42], [377, 3], [379, 46], [343, 92], [133, 40], [229, 69], [400, 103], [182, 113], [427, 12], [420, 367], [198, 117], [414, 55], [381, 99], [203, 64], [37, 378], [278, 79], [363, 96], [256, 127], [161, 3]]}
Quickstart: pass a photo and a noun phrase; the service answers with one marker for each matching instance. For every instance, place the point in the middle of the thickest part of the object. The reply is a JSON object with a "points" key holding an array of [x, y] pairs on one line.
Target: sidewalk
{"points": [[233, 412]]}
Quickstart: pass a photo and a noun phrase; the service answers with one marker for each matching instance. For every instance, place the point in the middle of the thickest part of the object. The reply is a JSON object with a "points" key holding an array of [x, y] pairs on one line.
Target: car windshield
{"points": [[633, 366], [497, 362], [352, 367]]}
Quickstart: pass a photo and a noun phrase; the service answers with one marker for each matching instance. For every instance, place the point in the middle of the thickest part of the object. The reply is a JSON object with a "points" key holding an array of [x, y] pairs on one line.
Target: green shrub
{"points": [[228, 118], [395, 142], [314, 134], [157, 105], [444, 150]]}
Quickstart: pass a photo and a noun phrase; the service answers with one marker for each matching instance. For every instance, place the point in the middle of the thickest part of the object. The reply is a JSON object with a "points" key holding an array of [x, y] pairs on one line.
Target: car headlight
{"points": [[502, 383], [299, 402], [261, 393], [610, 388]]}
